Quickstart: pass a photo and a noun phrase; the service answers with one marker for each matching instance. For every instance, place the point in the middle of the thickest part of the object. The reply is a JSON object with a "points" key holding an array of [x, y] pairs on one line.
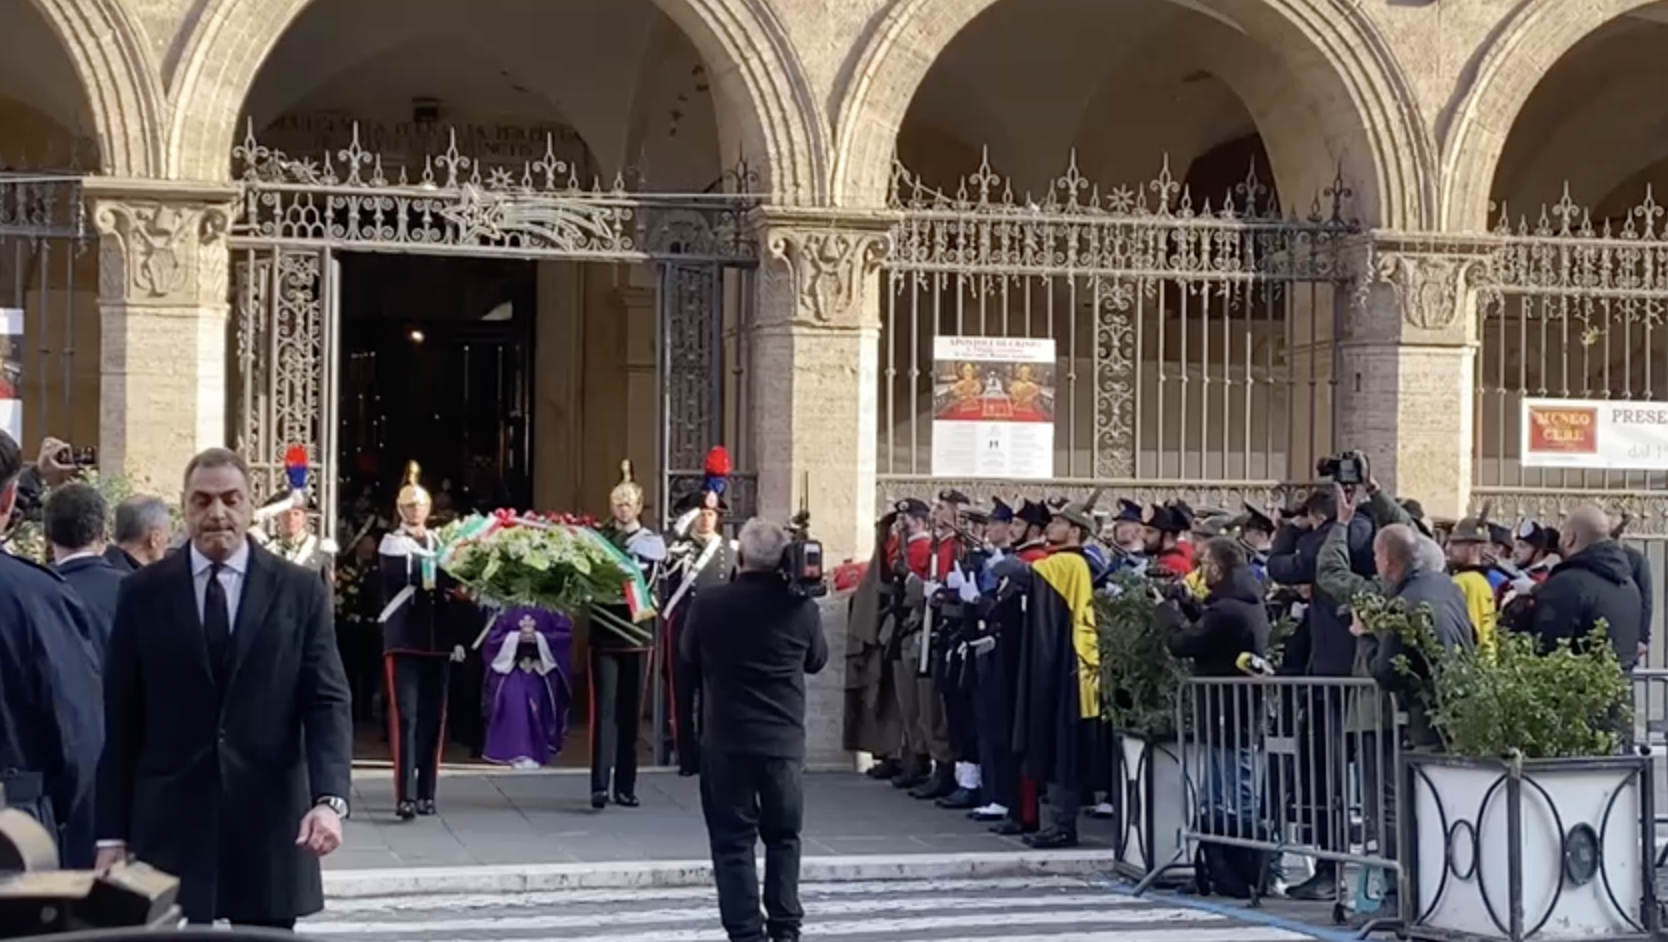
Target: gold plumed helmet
{"points": [[412, 493], [628, 490]]}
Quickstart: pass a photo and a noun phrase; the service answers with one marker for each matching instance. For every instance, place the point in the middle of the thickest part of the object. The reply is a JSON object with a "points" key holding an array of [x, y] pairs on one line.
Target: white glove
{"points": [[930, 589], [981, 645], [995, 558], [955, 580], [459, 654], [1523, 585], [969, 591], [1298, 610]]}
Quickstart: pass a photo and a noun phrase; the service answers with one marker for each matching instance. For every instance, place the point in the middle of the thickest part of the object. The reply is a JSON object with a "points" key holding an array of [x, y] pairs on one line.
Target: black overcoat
{"points": [[208, 774]]}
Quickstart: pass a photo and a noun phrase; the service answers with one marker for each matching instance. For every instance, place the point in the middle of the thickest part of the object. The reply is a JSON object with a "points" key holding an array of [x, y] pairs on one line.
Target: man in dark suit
{"points": [[753, 642], [143, 528], [229, 736], [73, 519], [51, 726]]}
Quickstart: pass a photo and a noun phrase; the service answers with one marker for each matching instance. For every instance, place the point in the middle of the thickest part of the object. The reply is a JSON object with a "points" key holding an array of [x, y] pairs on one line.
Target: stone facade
{"points": [[1429, 114]]}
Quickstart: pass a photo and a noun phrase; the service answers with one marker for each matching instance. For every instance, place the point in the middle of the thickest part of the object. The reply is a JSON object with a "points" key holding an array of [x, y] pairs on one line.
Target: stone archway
{"points": [[119, 78], [1524, 51], [1374, 109], [768, 105]]}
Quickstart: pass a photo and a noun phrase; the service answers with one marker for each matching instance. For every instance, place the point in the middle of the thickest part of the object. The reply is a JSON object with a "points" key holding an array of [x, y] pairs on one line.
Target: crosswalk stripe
{"points": [[464, 902], [814, 909], [899, 932]]}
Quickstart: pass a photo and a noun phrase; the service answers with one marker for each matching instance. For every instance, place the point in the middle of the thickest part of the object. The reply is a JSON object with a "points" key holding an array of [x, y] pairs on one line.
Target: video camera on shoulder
{"points": [[802, 559], [1348, 470]]}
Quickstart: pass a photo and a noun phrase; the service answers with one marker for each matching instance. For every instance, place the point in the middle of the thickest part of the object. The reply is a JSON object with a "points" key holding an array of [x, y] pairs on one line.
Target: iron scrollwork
{"points": [[987, 260], [455, 203]]}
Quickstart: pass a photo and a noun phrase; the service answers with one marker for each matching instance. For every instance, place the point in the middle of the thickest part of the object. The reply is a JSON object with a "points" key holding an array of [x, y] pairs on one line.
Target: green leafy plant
{"points": [[25, 539], [1571, 702], [1140, 680]]}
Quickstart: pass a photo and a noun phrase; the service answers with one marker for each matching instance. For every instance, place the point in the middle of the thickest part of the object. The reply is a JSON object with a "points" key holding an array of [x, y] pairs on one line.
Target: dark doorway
{"points": [[437, 369]]}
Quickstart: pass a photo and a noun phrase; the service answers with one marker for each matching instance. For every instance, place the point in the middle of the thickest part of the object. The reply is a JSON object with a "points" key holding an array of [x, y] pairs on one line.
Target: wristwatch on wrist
{"points": [[338, 805]]}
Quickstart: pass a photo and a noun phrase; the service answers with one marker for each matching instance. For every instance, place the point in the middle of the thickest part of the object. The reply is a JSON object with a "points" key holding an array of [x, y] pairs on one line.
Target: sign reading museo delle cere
{"points": [[993, 407], [1595, 434]]}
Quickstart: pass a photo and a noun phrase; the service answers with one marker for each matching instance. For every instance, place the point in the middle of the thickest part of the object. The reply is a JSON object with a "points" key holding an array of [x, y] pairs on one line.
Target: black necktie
{"points": [[217, 618]]}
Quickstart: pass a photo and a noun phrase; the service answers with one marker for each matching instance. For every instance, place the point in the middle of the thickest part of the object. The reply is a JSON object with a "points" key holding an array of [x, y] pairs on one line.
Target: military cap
{"points": [[1254, 519], [1469, 530], [1527, 530], [1168, 518], [975, 515], [913, 507], [1184, 508], [1128, 512], [1078, 515], [1033, 513], [1056, 503], [1000, 511], [952, 496], [701, 500], [1499, 535], [1214, 526]]}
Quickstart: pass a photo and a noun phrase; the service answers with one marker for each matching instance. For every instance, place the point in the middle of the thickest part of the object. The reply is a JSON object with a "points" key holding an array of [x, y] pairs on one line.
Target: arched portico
{"points": [[1524, 51], [768, 114], [118, 75], [1362, 98]]}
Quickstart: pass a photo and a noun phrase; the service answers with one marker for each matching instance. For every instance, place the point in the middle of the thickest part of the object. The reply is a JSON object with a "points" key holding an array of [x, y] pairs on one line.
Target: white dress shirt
{"points": [[232, 573]]}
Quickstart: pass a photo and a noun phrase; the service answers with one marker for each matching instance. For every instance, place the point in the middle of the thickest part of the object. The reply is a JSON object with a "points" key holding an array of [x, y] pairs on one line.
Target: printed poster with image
{"points": [[993, 407], [11, 372]]}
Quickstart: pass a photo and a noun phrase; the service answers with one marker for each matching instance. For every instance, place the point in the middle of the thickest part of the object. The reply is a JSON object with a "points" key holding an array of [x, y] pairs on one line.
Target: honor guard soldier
{"points": [[910, 552], [420, 641], [1032, 543], [700, 557], [620, 645], [1256, 537], [295, 540]]}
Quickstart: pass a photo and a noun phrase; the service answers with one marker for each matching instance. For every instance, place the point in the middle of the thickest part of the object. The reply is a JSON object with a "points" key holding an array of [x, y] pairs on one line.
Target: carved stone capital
{"points": [[162, 248], [1433, 290], [828, 270]]}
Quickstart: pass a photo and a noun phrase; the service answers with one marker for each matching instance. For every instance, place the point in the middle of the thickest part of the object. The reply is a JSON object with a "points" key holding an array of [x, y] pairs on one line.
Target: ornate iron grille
{"points": [[295, 213], [48, 280], [1193, 341], [452, 204], [1571, 306]]}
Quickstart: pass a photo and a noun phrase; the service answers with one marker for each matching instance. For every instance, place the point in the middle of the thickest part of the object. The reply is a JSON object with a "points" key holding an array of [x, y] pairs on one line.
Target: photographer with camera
{"points": [[1330, 652], [753, 641]]}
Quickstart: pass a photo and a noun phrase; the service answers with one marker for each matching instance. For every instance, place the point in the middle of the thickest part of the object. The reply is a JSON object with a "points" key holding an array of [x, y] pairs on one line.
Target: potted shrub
{"points": [[1532, 821], [1141, 689]]}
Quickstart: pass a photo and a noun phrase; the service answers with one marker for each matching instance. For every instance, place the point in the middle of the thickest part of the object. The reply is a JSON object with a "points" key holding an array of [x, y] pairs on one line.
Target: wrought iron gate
{"points": [[1193, 337], [48, 270], [298, 215]]}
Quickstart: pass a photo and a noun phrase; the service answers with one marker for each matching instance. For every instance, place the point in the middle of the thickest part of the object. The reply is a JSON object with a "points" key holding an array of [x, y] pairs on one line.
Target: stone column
{"points": [[163, 296], [815, 372], [1407, 370]]}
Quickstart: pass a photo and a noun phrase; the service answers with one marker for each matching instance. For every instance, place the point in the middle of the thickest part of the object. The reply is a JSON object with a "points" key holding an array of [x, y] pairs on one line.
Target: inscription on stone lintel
{"points": [[408, 141]]}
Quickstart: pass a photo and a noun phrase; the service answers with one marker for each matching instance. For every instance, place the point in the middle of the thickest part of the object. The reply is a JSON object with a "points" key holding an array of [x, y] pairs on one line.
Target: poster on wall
{"points": [[993, 407], [11, 372], [1595, 434]]}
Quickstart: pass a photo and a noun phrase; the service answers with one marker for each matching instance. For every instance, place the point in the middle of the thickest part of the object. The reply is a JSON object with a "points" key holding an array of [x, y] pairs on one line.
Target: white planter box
{"points": [[1567, 845], [1156, 802]]}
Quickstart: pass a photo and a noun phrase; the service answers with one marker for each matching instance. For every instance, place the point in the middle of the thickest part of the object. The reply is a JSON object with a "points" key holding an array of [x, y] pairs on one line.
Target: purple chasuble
{"points": [[528, 654]]}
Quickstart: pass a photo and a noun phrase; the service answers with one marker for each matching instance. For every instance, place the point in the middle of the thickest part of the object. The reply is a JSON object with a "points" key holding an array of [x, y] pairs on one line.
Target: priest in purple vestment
{"points": [[528, 653]]}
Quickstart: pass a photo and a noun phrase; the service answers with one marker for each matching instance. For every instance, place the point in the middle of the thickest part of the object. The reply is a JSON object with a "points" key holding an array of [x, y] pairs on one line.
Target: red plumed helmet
{"points": [[718, 462]]}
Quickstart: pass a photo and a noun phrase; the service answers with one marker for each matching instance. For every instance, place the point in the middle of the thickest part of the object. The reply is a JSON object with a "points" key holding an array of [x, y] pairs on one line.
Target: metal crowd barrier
{"points": [[1294, 769], [1288, 767]]}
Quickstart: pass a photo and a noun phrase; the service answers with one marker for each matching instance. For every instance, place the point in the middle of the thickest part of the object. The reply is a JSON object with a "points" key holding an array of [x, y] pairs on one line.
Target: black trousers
{"points": [[417, 694], [993, 706], [950, 672], [281, 925], [747, 799], [616, 712], [686, 712]]}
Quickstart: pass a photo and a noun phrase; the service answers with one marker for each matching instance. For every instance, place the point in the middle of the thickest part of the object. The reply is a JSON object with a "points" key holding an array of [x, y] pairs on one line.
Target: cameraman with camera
{"points": [[1293, 561], [753, 641]]}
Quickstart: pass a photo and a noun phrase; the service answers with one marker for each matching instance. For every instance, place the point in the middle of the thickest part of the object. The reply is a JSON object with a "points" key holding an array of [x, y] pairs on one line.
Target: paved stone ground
{"points": [[542, 817], [1024, 909]]}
